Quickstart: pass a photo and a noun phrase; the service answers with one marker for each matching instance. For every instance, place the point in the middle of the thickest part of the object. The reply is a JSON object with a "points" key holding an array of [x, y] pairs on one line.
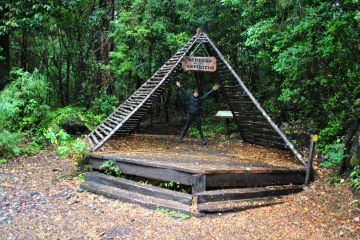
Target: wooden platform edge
{"points": [[147, 162]]}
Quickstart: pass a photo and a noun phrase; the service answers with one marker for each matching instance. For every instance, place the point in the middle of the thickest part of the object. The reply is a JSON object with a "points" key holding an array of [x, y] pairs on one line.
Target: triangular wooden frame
{"points": [[126, 117]]}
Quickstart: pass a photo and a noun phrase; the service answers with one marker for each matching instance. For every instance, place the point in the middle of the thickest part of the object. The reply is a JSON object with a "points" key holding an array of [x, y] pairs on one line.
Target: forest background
{"points": [[83, 57]]}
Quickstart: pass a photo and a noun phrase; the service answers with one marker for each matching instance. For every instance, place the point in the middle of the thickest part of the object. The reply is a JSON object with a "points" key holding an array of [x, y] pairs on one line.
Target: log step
{"points": [[133, 197], [141, 188], [237, 205], [247, 193]]}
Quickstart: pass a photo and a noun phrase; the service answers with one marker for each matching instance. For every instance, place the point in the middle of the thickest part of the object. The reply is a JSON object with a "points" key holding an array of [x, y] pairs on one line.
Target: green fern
{"points": [[355, 178]]}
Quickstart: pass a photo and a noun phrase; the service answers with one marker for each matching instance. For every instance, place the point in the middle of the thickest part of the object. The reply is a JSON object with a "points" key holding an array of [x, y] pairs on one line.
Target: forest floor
{"points": [[39, 199]]}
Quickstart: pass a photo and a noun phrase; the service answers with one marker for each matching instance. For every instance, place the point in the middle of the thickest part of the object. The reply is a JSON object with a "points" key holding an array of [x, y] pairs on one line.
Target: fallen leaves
{"points": [[311, 214], [216, 154]]}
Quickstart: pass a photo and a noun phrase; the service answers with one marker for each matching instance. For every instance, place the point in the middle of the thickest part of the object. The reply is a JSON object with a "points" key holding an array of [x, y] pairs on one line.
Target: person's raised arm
{"points": [[178, 84], [215, 88]]}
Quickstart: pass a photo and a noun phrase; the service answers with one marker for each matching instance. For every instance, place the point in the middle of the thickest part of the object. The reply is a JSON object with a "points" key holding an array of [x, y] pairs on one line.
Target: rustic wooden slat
{"points": [[246, 193], [163, 174], [90, 141], [103, 130], [94, 138], [146, 93], [112, 121], [128, 196], [104, 126], [110, 124], [234, 180], [99, 134], [113, 117], [144, 189]]}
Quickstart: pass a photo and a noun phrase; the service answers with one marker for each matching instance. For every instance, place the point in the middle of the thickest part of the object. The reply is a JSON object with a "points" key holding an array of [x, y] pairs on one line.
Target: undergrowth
{"points": [[173, 213], [110, 168]]}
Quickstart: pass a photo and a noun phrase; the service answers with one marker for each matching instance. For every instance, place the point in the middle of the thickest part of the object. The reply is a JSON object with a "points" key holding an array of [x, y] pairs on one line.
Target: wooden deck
{"points": [[218, 165], [216, 155]]}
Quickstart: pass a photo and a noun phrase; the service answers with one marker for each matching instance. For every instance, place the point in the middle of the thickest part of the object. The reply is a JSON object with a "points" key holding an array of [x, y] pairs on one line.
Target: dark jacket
{"points": [[195, 102]]}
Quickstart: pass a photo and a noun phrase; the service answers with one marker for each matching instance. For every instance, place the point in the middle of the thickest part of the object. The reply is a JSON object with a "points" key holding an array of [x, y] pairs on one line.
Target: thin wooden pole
{"points": [[309, 168]]}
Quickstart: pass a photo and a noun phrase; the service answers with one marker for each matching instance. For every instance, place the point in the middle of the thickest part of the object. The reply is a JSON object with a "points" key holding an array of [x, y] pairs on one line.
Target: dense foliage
{"points": [[83, 57]]}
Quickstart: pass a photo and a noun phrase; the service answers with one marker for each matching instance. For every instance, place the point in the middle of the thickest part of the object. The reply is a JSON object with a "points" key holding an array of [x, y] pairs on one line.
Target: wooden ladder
{"points": [[128, 115]]}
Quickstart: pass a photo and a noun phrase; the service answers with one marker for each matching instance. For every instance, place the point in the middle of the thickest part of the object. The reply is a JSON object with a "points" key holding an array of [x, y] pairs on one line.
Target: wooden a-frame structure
{"points": [[254, 124]]}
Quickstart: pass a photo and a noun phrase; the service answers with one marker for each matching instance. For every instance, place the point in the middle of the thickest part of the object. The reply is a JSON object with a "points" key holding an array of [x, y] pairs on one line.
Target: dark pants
{"points": [[190, 119]]}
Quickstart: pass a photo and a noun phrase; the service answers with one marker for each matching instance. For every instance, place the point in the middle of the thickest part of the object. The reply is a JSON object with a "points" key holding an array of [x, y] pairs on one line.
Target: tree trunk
{"points": [[4, 60], [345, 164], [67, 78], [106, 44], [23, 58]]}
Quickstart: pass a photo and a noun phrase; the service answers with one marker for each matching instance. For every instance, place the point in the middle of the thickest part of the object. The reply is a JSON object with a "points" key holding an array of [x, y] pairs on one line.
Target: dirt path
{"points": [[38, 200]]}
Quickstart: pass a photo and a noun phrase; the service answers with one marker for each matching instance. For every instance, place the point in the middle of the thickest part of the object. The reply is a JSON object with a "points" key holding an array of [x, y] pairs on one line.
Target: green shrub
{"points": [[55, 117], [355, 179], [3, 161], [104, 104], [334, 154], [330, 134], [9, 143], [210, 126], [22, 106], [22, 102], [334, 179], [75, 149], [110, 168], [177, 214]]}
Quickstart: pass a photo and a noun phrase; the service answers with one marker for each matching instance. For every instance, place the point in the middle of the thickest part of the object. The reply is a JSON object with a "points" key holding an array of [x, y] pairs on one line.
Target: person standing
{"points": [[194, 110]]}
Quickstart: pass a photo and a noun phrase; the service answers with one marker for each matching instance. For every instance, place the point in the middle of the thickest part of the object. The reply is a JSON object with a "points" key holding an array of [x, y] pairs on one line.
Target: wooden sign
{"points": [[200, 64]]}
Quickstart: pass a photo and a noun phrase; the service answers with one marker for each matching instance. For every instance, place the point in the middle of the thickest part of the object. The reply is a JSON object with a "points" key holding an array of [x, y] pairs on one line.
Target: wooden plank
{"points": [[148, 162], [109, 124], [91, 143], [127, 196], [236, 205], [232, 180], [103, 130], [247, 193], [141, 188], [158, 173], [94, 138], [99, 134], [113, 117], [112, 121], [103, 125]]}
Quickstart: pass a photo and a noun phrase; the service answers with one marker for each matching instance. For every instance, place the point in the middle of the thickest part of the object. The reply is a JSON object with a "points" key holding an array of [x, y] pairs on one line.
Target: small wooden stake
{"points": [[309, 168], [198, 183]]}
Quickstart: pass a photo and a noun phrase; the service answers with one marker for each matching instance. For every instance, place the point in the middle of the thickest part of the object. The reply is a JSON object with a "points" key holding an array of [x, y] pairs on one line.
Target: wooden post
{"points": [[227, 122], [198, 183], [309, 168]]}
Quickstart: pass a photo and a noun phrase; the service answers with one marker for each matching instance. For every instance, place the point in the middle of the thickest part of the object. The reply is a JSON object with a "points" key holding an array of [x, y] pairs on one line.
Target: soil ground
{"points": [[39, 199], [225, 155]]}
